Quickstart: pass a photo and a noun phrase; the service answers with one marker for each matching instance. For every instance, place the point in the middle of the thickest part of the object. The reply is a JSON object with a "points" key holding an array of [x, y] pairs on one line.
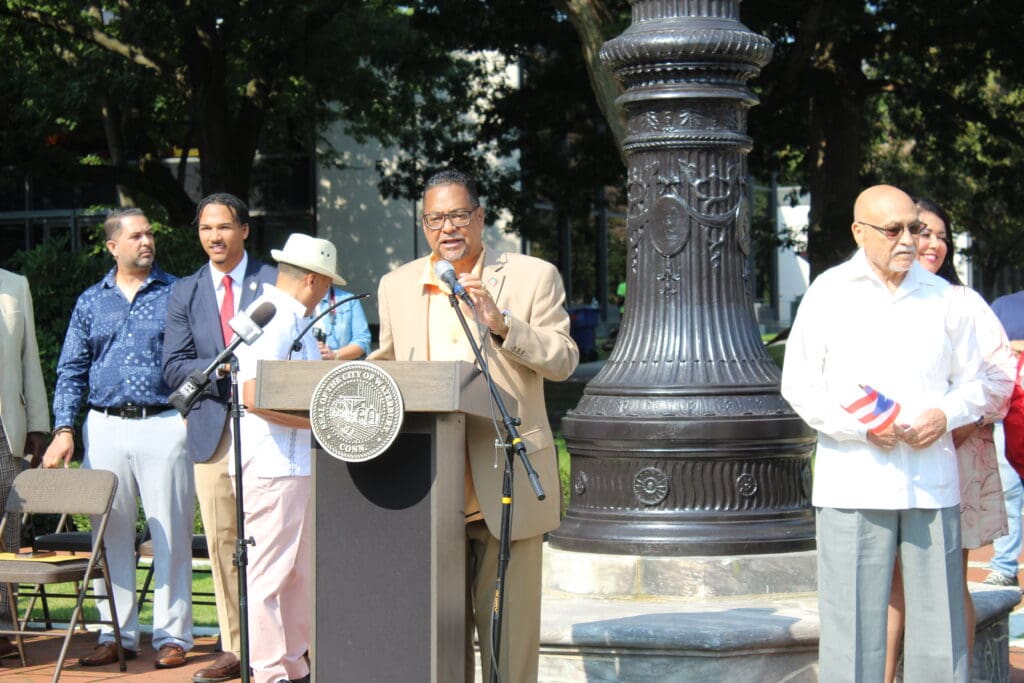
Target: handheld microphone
{"points": [[247, 329], [445, 271]]}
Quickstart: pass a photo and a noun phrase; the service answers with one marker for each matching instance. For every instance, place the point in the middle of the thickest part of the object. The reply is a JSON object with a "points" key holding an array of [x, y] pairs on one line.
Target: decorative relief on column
{"points": [[746, 485], [638, 190], [671, 225], [669, 279], [705, 118], [682, 444], [650, 485], [579, 483]]}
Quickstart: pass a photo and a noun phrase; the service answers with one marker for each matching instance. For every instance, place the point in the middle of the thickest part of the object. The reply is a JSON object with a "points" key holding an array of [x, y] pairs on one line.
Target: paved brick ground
{"points": [[42, 656]]}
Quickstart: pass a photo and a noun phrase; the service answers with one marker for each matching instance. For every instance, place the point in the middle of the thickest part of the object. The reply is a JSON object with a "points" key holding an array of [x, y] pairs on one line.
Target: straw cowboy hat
{"points": [[311, 253]]}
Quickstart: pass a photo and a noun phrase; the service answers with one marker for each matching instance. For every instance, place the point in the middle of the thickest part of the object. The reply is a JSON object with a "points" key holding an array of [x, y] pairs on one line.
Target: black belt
{"points": [[130, 411]]}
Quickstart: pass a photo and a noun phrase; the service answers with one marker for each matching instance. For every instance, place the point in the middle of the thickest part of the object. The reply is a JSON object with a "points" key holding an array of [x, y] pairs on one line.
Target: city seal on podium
{"points": [[356, 411]]}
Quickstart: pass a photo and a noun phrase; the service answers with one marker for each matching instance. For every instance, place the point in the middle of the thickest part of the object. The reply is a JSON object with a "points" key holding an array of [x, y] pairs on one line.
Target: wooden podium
{"points": [[389, 534]]}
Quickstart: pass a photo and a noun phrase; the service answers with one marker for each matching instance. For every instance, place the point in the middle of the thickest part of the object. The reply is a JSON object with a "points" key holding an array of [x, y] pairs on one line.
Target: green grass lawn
{"points": [[60, 608]]}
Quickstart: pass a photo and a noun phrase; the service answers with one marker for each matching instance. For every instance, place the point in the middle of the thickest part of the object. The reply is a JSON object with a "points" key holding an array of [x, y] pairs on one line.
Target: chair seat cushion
{"points": [[24, 571]]}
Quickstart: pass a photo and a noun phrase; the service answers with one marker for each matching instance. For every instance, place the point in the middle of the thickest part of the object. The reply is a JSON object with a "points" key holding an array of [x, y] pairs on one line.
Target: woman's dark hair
{"points": [[947, 271]]}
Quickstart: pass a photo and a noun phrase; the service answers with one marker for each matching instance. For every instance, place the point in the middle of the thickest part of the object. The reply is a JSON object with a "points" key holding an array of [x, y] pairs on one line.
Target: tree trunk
{"points": [[114, 132], [834, 163], [594, 24]]}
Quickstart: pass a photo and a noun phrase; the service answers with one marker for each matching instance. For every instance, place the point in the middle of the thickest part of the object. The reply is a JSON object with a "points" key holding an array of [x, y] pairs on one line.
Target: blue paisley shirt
{"points": [[114, 348]]}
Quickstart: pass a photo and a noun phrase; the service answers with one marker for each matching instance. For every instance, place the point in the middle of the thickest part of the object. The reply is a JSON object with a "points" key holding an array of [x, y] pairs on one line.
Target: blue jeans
{"points": [[1007, 548]]}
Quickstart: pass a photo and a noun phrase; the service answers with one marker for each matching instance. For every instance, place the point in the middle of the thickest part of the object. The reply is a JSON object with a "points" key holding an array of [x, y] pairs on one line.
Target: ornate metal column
{"points": [[682, 445]]}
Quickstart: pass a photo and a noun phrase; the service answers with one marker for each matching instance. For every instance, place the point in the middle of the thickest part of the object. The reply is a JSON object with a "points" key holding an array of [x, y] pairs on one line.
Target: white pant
{"points": [[278, 515], [150, 460]]}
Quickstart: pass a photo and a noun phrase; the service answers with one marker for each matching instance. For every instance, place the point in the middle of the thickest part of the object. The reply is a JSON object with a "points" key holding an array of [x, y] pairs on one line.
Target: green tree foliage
{"points": [[542, 116], [923, 95], [149, 81], [915, 94], [162, 78]]}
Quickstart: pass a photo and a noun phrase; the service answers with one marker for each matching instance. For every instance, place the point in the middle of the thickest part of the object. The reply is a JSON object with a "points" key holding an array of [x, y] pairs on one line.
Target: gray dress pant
{"points": [[856, 550], [150, 461]]}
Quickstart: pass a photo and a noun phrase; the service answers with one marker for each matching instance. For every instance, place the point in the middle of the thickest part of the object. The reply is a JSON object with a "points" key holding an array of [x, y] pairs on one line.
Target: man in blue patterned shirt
{"points": [[111, 362]]}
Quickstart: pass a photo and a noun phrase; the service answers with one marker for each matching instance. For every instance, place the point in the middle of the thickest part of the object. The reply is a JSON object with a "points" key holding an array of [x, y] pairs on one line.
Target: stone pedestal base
{"points": [[762, 639], [615, 618], [638, 576]]}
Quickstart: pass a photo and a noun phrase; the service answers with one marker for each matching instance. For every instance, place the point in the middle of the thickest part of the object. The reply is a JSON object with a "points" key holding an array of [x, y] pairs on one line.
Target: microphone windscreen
{"points": [[444, 270], [263, 314]]}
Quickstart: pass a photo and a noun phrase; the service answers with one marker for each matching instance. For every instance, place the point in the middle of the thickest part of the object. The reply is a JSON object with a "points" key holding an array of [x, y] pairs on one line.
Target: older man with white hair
{"points": [[882, 361]]}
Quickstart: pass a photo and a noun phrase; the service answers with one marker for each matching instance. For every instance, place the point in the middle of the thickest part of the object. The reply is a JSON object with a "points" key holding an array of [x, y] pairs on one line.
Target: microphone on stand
{"points": [[297, 342], [445, 271], [247, 329]]}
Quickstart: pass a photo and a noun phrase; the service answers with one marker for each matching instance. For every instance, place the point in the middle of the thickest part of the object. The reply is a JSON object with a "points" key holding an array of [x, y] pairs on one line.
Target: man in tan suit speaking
{"points": [[24, 410], [523, 332]]}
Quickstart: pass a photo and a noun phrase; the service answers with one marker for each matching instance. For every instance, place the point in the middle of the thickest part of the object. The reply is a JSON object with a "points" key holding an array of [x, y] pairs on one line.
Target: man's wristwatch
{"points": [[506, 320], [59, 430]]}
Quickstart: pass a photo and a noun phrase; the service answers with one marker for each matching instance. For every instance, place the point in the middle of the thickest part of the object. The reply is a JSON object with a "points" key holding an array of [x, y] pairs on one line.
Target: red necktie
{"points": [[227, 310]]}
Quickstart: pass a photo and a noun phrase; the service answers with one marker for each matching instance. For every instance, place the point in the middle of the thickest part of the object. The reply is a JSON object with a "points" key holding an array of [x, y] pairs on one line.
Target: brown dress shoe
{"points": [[224, 668], [7, 647], [170, 656], [105, 653]]}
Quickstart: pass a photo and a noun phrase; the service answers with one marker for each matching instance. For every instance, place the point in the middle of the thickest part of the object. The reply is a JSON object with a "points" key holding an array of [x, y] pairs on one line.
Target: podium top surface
{"points": [[426, 386]]}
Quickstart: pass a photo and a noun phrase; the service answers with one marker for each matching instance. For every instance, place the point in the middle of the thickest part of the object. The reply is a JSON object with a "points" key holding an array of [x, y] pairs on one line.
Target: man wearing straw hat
{"points": [[276, 469]]}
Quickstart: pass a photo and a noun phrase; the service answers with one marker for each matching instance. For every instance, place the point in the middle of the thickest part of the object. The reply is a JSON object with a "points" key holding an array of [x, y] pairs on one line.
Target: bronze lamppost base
{"points": [[682, 444]]}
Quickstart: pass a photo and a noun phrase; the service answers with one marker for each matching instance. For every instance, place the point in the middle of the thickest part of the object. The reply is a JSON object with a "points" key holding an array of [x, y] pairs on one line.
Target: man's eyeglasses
{"points": [[459, 218], [894, 231], [926, 234]]}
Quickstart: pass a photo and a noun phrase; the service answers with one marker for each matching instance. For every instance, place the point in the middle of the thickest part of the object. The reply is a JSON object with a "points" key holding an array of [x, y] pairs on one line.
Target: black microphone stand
{"points": [[184, 399], [513, 444], [242, 543]]}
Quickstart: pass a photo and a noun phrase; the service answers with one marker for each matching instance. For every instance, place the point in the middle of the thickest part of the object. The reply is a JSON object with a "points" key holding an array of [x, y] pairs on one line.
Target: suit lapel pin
{"points": [[252, 286]]}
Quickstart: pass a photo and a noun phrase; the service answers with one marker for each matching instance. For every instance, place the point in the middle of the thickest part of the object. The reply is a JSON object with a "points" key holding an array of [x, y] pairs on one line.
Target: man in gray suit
{"points": [[197, 331], [24, 412]]}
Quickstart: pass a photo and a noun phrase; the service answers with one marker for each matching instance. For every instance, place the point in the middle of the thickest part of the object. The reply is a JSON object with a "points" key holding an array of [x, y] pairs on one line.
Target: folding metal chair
{"points": [[60, 491], [63, 540]]}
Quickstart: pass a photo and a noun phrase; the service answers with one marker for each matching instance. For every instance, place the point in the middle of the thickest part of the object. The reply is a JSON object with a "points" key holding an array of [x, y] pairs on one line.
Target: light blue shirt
{"points": [[344, 325]]}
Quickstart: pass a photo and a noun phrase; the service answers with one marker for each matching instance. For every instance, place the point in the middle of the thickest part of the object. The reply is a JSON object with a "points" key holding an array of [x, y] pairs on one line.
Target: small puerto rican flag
{"points": [[873, 409]]}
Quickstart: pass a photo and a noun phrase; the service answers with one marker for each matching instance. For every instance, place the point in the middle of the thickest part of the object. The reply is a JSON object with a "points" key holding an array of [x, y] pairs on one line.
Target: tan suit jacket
{"points": [[537, 347], [23, 405]]}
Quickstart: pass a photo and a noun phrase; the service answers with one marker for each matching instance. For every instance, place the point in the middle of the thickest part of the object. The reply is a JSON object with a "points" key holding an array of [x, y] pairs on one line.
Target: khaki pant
{"points": [[520, 629], [216, 495]]}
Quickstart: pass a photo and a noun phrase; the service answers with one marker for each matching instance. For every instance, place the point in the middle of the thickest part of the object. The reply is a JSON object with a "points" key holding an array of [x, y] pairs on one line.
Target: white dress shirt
{"points": [[1000, 365], [916, 346], [237, 280], [270, 450]]}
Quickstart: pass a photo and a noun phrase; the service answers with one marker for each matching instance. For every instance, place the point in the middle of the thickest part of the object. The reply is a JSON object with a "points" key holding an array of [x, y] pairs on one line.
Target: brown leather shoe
{"points": [[7, 647], [170, 656], [105, 653], [224, 668]]}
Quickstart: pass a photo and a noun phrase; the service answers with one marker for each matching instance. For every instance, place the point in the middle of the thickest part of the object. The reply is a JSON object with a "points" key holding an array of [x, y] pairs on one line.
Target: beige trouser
{"points": [[520, 630], [216, 495]]}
